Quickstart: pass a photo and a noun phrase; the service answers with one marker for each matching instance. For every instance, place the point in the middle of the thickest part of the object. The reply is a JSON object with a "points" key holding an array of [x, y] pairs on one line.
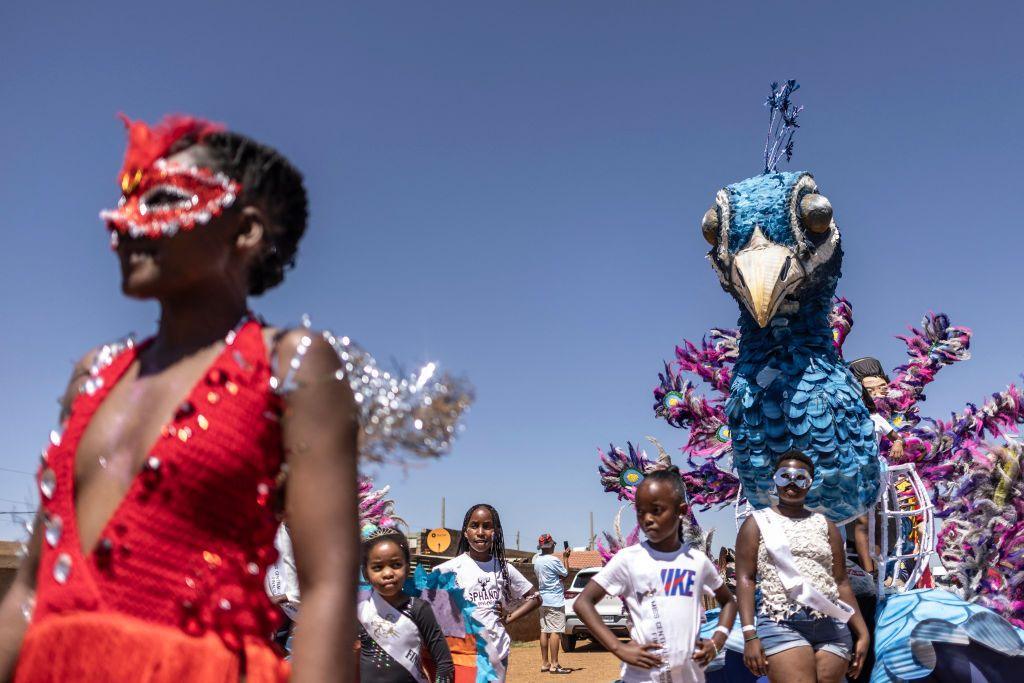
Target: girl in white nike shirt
{"points": [[662, 582]]}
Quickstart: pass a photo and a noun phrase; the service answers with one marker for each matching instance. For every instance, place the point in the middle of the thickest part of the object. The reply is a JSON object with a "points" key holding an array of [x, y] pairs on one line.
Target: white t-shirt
{"points": [[483, 585], [882, 426], [663, 593]]}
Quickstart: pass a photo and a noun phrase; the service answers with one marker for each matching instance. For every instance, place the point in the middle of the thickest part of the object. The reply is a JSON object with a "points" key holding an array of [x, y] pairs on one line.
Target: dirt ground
{"points": [[590, 664]]}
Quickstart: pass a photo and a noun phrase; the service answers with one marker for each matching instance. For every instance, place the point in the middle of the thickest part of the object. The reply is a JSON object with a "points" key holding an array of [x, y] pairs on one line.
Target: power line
{"points": [[8, 469]]}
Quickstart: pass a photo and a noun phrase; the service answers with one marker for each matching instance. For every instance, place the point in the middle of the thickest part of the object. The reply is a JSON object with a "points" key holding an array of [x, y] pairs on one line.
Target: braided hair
{"points": [[670, 475], [497, 543], [270, 181]]}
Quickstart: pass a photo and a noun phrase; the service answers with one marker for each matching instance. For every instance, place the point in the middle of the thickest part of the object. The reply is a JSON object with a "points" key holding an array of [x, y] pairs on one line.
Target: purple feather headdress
{"points": [[376, 510], [622, 471]]}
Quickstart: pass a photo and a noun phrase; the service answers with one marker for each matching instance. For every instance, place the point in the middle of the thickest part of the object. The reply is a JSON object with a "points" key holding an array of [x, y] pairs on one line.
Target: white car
{"points": [[611, 609]]}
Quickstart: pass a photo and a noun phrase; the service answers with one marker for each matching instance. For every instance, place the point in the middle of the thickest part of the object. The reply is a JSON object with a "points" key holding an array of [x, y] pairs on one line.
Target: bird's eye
{"points": [[815, 213], [710, 224]]}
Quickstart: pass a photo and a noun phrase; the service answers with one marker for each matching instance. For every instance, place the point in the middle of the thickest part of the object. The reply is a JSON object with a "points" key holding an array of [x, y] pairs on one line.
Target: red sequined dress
{"points": [[173, 590]]}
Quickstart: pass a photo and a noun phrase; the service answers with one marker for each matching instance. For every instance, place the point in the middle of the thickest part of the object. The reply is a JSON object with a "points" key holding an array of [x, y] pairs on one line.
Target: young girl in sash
{"points": [[799, 561], [495, 587], [393, 627]]}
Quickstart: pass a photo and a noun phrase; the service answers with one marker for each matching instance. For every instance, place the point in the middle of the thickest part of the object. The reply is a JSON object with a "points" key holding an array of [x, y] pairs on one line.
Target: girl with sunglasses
{"points": [[796, 558]]}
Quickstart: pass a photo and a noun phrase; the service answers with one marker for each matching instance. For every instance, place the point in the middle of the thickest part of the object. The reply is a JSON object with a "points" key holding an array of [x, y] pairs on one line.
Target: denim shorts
{"points": [[801, 629]]}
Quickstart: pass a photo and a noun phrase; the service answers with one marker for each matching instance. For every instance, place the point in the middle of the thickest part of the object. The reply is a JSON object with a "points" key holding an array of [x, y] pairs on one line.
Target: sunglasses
{"points": [[784, 476]]}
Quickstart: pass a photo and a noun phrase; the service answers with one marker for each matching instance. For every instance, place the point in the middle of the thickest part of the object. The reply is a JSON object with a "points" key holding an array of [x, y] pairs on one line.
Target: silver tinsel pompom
{"points": [[417, 414]]}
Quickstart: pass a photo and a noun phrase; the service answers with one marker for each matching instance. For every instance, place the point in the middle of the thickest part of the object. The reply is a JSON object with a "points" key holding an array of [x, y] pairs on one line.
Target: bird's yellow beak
{"points": [[763, 273]]}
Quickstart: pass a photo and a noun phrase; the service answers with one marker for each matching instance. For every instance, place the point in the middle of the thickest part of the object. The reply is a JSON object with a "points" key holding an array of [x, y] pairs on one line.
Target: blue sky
{"points": [[516, 190]]}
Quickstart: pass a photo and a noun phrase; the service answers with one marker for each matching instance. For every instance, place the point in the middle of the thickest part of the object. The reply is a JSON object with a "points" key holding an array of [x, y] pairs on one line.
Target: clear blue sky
{"points": [[516, 189]]}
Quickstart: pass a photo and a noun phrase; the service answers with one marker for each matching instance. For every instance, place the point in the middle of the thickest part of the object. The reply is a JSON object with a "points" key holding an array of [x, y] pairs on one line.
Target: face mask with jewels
{"points": [[169, 198], [784, 476], [160, 198]]}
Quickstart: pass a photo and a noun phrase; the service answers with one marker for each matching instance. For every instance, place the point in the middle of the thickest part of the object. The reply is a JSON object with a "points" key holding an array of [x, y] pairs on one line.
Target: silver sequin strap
{"points": [[418, 414], [105, 356], [288, 384]]}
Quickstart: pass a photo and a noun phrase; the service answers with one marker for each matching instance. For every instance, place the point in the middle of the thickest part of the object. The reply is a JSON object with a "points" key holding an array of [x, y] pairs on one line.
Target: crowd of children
{"points": [[661, 581], [805, 626]]}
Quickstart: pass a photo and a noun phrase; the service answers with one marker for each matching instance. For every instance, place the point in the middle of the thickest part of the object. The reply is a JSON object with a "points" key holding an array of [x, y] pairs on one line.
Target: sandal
{"points": [[560, 670]]}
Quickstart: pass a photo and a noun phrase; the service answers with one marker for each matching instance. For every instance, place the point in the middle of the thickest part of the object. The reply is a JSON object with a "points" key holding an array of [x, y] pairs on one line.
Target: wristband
{"points": [[749, 627], [724, 630]]}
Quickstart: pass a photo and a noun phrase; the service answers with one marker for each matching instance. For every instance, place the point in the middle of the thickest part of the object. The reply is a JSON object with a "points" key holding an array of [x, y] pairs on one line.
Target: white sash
{"points": [[281, 577], [393, 631], [797, 587]]}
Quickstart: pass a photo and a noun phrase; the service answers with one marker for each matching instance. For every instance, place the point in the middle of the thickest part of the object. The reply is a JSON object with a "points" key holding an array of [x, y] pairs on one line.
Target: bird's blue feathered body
{"points": [[790, 389]]}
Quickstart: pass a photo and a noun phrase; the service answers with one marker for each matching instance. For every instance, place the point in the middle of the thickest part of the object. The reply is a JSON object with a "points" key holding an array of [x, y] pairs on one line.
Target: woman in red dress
{"points": [[161, 494]]}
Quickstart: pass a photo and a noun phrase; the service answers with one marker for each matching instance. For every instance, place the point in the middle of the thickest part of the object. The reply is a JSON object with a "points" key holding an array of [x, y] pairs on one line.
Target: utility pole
{"points": [[442, 512], [517, 540], [590, 542]]}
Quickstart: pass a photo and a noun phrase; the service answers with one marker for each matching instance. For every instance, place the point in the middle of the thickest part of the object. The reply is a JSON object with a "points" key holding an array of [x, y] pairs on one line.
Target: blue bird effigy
{"points": [[779, 382], [777, 250]]}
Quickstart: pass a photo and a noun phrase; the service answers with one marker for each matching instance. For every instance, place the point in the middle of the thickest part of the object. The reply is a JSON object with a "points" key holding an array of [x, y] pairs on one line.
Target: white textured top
{"points": [[812, 554]]}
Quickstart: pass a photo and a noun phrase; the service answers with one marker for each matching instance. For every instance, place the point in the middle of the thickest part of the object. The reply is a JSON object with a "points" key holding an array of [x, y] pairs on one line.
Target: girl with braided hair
{"points": [[500, 592]]}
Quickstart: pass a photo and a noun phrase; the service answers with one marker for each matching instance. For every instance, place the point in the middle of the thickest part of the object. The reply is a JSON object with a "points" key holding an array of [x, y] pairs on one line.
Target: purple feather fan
{"points": [[708, 486], [622, 471], [937, 345], [981, 543], [376, 510]]}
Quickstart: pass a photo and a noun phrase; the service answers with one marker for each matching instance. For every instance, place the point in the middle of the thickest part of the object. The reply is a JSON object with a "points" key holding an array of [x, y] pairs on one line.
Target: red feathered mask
{"points": [[161, 198]]}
